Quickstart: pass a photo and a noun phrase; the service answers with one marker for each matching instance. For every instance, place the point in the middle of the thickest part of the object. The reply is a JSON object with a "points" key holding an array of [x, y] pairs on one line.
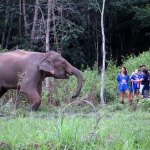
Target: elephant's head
{"points": [[56, 66]]}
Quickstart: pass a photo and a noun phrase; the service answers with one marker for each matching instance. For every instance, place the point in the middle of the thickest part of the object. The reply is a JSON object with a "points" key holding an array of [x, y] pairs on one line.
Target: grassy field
{"points": [[70, 127], [78, 128]]}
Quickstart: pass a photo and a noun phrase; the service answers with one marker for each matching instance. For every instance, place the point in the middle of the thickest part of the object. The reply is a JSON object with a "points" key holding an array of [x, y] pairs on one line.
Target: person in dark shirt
{"points": [[143, 66], [145, 82]]}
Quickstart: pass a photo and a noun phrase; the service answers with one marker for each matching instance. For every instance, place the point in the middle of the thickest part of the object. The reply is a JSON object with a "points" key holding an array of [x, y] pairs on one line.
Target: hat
{"points": [[142, 65]]}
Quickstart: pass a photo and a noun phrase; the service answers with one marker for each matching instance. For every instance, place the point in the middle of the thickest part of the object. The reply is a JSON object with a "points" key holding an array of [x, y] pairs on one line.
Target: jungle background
{"points": [[75, 29], [75, 32]]}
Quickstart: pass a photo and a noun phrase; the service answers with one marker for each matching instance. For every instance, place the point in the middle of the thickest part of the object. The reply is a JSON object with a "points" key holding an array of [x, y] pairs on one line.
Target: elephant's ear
{"points": [[47, 65]]}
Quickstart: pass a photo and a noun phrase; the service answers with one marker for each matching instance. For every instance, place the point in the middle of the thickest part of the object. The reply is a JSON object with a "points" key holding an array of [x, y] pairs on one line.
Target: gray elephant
{"points": [[33, 67]]}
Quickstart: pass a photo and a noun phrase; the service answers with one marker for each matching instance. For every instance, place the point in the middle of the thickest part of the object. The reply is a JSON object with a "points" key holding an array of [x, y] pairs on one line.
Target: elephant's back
{"points": [[13, 54], [12, 59], [18, 56]]}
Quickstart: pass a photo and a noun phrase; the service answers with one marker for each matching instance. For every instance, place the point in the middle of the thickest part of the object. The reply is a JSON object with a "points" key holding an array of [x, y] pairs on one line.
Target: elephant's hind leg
{"points": [[34, 98]]}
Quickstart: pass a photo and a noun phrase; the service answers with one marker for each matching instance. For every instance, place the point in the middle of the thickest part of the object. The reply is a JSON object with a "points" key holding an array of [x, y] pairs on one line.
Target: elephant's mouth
{"points": [[66, 76]]}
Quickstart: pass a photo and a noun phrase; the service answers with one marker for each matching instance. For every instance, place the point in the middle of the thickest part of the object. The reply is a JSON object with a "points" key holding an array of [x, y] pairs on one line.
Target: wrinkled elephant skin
{"points": [[25, 71]]}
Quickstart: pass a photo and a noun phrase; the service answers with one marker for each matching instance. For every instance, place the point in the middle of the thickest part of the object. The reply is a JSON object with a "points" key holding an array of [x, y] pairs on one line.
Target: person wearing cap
{"points": [[143, 66], [123, 79], [145, 82]]}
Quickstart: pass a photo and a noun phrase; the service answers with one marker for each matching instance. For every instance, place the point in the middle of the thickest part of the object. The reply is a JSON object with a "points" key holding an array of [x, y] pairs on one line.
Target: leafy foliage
{"points": [[144, 104], [75, 28], [142, 15]]}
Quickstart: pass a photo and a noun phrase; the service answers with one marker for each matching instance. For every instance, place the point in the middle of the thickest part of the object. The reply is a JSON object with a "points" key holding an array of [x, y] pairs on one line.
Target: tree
{"points": [[5, 23], [20, 10], [34, 20], [25, 18], [104, 55], [75, 28], [103, 52], [49, 5]]}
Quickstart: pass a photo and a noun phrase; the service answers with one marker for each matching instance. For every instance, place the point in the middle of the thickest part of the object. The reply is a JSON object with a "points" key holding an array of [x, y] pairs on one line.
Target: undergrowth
{"points": [[79, 123], [76, 128]]}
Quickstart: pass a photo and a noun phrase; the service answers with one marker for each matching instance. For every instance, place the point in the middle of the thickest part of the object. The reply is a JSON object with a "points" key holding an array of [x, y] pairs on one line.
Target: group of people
{"points": [[139, 83]]}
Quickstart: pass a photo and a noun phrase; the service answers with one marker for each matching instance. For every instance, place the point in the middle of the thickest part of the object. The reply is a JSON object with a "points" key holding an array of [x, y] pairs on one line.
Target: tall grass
{"points": [[119, 130], [117, 127]]}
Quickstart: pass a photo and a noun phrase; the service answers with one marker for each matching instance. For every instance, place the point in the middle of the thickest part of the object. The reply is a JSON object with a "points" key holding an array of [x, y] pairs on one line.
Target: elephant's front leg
{"points": [[39, 88], [33, 96]]}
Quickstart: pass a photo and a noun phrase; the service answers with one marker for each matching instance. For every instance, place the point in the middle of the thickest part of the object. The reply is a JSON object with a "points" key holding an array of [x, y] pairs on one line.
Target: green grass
{"points": [[117, 127], [104, 130]]}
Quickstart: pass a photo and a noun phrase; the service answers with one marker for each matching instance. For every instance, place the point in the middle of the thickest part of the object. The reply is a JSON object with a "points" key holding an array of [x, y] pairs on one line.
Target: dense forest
{"points": [[75, 28]]}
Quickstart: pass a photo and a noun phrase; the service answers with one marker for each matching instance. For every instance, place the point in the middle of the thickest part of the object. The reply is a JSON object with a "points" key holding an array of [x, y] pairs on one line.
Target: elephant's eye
{"points": [[63, 63]]}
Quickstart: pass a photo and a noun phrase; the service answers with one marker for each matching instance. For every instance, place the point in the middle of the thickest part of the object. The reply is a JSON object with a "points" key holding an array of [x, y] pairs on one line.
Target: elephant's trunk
{"points": [[78, 74]]}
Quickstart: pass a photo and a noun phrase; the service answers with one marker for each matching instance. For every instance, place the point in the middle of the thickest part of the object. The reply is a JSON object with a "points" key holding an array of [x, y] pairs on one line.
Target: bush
{"points": [[144, 104], [115, 107], [132, 62]]}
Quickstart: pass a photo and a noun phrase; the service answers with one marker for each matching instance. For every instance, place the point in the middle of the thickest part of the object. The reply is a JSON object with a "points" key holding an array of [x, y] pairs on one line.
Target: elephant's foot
{"points": [[32, 109], [35, 106]]}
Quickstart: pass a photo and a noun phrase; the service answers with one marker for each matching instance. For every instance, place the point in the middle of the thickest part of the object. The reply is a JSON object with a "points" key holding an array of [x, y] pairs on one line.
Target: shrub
{"points": [[115, 107], [132, 62], [144, 104]]}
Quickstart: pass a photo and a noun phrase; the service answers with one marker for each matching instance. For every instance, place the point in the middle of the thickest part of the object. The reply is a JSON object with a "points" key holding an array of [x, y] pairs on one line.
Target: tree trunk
{"points": [[104, 54], [49, 5], [44, 22], [9, 30], [25, 18], [96, 44], [20, 10], [5, 24], [110, 36], [54, 26], [34, 20]]}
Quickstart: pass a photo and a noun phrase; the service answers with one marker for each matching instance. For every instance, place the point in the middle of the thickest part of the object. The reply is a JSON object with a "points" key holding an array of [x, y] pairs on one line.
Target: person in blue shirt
{"points": [[134, 86], [123, 79], [143, 66], [145, 82]]}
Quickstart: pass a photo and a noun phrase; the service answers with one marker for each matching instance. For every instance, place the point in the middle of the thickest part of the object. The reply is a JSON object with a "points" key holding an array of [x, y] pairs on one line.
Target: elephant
{"points": [[25, 71]]}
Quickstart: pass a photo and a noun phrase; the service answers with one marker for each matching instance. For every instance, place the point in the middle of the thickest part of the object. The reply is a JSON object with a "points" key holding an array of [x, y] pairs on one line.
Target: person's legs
{"points": [[132, 89], [128, 95], [145, 94], [122, 97], [141, 90], [132, 94], [137, 94]]}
